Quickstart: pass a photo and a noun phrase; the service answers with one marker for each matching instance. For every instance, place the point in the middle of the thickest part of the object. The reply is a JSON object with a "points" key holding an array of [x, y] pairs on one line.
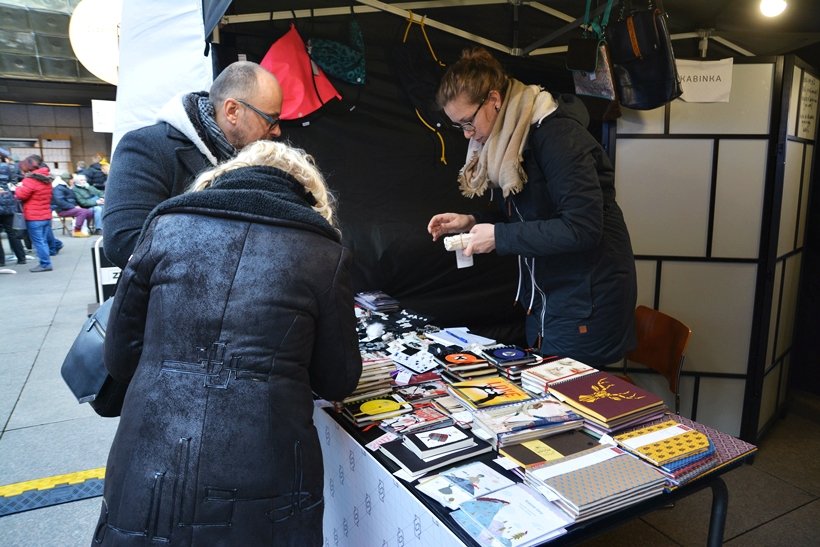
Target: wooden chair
{"points": [[661, 346]]}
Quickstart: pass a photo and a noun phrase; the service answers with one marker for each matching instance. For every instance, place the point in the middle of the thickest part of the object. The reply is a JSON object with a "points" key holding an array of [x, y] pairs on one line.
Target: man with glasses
{"points": [[194, 132]]}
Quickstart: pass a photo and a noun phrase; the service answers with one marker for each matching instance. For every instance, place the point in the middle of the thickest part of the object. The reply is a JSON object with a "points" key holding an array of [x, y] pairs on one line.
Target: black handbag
{"points": [[19, 221], [643, 62], [84, 370]]}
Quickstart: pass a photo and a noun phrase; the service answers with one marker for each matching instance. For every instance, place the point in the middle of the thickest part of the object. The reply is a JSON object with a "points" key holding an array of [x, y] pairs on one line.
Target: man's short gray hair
{"points": [[238, 80]]}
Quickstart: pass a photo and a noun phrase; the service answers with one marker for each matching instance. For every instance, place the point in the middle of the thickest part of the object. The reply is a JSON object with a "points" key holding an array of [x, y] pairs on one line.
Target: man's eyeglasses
{"points": [[470, 125], [272, 122]]}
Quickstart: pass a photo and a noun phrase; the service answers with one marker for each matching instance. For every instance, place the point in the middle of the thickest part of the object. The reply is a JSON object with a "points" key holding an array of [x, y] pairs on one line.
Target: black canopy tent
{"points": [[385, 165], [391, 174]]}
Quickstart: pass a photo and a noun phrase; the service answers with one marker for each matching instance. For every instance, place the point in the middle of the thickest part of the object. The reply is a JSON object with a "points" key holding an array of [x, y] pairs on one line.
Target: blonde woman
{"points": [[224, 346]]}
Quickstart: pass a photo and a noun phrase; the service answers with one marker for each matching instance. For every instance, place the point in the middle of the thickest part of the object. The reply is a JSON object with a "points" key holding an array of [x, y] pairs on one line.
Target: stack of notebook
{"points": [[723, 450], [465, 365], [519, 422], [596, 482], [607, 402], [536, 453], [376, 378], [424, 416], [487, 392], [418, 454], [510, 361], [377, 301], [466, 482], [514, 516], [539, 378], [367, 411]]}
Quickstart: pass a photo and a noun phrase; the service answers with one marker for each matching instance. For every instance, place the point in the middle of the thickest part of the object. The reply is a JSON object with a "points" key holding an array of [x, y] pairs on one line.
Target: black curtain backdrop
{"points": [[384, 167]]}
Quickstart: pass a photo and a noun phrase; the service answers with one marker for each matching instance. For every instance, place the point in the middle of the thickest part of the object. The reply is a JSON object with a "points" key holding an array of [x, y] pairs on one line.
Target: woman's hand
{"points": [[482, 240], [449, 223]]}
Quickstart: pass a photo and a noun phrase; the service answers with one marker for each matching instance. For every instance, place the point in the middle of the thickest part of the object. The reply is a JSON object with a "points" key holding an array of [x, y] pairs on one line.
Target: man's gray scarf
{"points": [[201, 113]]}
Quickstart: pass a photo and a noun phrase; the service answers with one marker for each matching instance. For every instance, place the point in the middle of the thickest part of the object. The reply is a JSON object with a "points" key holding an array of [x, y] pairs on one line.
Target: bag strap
{"points": [[411, 20], [597, 26]]}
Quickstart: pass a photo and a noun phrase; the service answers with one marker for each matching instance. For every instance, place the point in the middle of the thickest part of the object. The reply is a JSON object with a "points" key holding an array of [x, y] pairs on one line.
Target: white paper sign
{"points": [[808, 107], [705, 81], [103, 115]]}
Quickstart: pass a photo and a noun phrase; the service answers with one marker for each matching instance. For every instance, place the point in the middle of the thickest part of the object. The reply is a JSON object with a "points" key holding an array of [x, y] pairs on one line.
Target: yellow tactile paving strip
{"points": [[47, 483]]}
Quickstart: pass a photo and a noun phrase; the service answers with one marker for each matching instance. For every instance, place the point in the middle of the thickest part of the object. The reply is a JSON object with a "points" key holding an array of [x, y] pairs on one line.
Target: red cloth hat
{"points": [[305, 87]]}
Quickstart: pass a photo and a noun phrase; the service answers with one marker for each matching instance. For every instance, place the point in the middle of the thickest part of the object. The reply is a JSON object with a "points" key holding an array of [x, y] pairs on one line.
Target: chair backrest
{"points": [[661, 345]]}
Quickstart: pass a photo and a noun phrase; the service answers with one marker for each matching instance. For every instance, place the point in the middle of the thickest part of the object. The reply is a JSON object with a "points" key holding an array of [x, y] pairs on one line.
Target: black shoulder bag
{"points": [[84, 370], [643, 61]]}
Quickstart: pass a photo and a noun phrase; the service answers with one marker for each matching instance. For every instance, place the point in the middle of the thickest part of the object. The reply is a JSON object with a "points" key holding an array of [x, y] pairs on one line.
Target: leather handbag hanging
{"points": [[84, 371], [643, 61], [598, 81]]}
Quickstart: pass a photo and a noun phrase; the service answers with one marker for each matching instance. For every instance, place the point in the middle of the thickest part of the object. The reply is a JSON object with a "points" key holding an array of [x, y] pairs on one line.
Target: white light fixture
{"points": [[772, 8], [94, 32]]}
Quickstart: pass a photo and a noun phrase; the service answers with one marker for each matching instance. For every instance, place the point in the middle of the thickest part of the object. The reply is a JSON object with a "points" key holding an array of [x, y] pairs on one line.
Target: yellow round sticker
{"points": [[379, 406]]}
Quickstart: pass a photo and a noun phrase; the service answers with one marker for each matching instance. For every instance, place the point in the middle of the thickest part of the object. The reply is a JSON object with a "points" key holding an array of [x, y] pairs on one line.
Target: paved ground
{"points": [[44, 431]]}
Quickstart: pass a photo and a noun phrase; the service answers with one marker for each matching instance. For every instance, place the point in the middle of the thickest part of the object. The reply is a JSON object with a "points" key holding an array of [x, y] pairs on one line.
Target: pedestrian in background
{"points": [[90, 198], [35, 192], [64, 203]]}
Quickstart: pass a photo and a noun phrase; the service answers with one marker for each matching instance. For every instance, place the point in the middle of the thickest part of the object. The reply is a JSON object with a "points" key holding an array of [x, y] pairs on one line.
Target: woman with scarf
{"points": [[222, 347], [554, 187]]}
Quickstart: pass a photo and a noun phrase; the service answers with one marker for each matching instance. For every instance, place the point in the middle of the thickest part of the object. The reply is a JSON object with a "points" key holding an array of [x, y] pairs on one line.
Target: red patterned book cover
{"points": [[604, 396]]}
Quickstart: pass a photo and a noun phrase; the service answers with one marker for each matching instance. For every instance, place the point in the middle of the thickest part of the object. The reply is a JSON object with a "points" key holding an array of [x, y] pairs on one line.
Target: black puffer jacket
{"points": [[574, 248], [63, 198], [222, 346], [95, 176]]}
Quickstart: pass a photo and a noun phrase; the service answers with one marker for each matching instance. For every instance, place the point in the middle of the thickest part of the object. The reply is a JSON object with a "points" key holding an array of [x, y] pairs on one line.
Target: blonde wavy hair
{"points": [[294, 161]]}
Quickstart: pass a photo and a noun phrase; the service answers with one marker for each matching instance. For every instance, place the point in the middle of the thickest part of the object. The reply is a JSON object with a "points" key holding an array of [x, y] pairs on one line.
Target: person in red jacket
{"points": [[35, 193]]}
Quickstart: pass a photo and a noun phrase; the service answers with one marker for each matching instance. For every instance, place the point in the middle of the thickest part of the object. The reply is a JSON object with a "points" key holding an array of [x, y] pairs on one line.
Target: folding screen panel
{"points": [[709, 191], [798, 160]]}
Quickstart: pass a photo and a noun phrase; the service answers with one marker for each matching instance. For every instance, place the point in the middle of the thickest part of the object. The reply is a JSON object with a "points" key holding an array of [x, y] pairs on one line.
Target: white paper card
{"points": [[463, 261]]}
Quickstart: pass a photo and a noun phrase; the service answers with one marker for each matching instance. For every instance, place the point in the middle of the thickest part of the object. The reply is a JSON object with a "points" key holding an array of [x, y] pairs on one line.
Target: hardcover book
{"points": [[619, 479], [422, 391], [434, 442], [663, 443], [727, 449], [486, 392], [416, 467], [605, 397], [514, 516], [531, 454], [453, 377], [463, 483], [542, 411], [518, 422], [424, 416], [554, 372], [505, 356], [372, 410]]}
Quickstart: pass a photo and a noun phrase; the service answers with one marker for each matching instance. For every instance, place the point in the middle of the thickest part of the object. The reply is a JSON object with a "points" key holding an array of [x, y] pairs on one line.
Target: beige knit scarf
{"points": [[497, 162]]}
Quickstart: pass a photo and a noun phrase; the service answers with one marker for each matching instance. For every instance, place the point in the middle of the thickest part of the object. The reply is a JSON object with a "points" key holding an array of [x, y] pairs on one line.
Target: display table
{"points": [[365, 505]]}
